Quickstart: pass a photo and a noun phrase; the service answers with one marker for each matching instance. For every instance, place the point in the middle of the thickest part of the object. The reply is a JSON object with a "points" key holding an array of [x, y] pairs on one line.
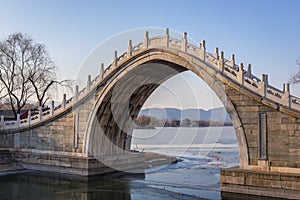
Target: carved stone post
{"points": [[216, 53], [167, 37], [76, 92], [101, 71], [286, 97], [184, 42], [129, 50], [64, 101], [232, 61], [249, 71], [40, 113], [241, 74], [52, 108], [89, 82], [18, 120], [2, 122], [146, 40], [263, 84], [29, 117], [115, 63], [220, 61], [203, 50]]}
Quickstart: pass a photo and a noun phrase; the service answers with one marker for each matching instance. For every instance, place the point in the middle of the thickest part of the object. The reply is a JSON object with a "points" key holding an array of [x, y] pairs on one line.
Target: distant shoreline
{"points": [[201, 126]]}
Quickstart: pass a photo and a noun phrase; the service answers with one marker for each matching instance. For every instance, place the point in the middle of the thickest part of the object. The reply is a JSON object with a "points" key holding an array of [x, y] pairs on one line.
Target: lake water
{"points": [[202, 152]]}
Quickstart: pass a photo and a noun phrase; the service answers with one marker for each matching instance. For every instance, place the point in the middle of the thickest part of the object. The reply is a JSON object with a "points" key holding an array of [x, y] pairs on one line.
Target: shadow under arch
{"points": [[111, 123]]}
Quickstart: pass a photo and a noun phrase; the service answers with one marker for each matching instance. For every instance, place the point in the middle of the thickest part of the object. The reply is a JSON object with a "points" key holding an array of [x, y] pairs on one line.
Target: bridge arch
{"points": [[108, 131]]}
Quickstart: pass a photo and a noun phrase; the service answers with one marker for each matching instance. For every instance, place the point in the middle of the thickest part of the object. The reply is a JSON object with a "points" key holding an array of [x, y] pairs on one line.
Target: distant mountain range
{"points": [[215, 114]]}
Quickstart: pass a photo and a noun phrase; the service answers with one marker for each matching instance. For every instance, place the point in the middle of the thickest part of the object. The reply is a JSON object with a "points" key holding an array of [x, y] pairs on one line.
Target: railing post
{"points": [[89, 82], [40, 113], [102, 71], [167, 37], [29, 117], [52, 108], [249, 71], [2, 122], [18, 120], [232, 62], [184, 42], [129, 50], [263, 84], [146, 40], [241, 74], [76, 92], [203, 50], [216, 53], [64, 102], [286, 99], [115, 63], [221, 62]]}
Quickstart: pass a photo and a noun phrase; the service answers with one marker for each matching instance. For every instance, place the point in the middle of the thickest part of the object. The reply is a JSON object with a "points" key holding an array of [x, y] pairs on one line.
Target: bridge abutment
{"points": [[273, 149]]}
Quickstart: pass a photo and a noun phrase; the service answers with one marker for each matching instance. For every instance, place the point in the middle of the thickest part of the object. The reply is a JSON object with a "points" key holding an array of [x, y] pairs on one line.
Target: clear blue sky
{"points": [[264, 33]]}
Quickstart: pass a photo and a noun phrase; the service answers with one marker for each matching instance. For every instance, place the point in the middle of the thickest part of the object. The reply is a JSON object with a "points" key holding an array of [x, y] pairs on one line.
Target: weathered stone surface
{"points": [[260, 183]]}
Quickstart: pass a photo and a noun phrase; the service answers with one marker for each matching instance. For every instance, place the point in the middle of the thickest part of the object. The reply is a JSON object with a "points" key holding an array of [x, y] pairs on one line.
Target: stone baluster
{"points": [[221, 62], [263, 84], [64, 102], [232, 61], [146, 40], [216, 53], [18, 120], [76, 92], [167, 37], [240, 74], [129, 49], [184, 42], [29, 117], [286, 96], [40, 113], [52, 107], [101, 71], [203, 50], [115, 63]]}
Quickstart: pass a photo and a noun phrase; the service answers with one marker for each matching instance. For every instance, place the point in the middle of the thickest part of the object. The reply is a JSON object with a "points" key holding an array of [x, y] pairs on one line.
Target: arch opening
{"points": [[119, 105]]}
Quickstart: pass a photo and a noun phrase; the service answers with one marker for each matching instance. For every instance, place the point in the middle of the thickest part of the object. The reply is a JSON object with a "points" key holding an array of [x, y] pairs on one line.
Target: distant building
{"points": [[9, 114]]}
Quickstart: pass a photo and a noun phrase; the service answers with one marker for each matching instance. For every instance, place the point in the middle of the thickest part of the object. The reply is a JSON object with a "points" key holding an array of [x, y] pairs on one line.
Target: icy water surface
{"points": [[201, 151]]}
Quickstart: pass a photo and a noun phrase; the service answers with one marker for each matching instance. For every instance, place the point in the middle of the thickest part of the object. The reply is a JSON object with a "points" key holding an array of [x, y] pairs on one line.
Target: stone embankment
{"points": [[132, 162], [8, 162]]}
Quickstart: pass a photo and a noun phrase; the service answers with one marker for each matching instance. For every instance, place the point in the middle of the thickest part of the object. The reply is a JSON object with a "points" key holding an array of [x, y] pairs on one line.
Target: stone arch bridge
{"points": [[97, 120]]}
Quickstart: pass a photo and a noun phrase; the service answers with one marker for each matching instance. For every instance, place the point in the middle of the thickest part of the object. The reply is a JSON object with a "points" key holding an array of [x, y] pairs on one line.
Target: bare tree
{"points": [[42, 75], [3, 93], [26, 71], [295, 79], [15, 58]]}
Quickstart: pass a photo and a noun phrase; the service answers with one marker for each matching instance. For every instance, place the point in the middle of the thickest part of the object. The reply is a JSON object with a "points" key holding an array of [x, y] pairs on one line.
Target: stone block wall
{"points": [[282, 130]]}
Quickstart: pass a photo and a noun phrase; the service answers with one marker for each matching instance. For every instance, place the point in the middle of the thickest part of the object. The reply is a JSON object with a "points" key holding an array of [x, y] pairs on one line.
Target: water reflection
{"points": [[41, 185]]}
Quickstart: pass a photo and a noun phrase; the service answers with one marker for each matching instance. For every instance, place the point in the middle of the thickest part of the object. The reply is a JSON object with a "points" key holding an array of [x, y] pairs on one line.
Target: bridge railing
{"points": [[216, 61]]}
